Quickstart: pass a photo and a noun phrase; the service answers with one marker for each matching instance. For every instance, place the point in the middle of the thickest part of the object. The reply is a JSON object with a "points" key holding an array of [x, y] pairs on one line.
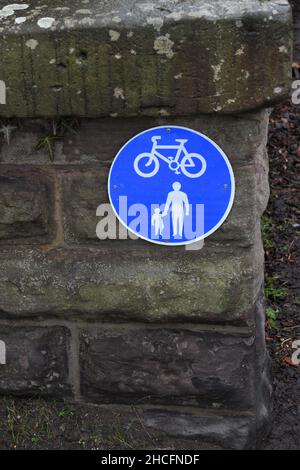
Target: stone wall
{"points": [[103, 320]]}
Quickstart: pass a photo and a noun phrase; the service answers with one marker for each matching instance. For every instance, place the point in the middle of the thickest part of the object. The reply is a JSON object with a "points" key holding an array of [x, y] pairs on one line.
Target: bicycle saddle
{"points": [[155, 138], [183, 141]]}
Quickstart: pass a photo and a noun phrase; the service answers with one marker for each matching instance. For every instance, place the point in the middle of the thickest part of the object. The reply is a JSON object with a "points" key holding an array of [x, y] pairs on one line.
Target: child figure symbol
{"points": [[157, 222]]}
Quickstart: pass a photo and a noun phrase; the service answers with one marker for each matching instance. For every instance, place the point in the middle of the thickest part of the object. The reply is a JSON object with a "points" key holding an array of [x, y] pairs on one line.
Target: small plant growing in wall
{"points": [[59, 128]]}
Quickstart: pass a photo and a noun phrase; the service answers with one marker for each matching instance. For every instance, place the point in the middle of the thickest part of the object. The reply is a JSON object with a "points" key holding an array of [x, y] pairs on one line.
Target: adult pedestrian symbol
{"points": [[171, 185]]}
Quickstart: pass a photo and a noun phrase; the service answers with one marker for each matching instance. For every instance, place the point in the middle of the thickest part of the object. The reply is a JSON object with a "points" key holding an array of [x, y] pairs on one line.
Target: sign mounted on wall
{"points": [[171, 185]]}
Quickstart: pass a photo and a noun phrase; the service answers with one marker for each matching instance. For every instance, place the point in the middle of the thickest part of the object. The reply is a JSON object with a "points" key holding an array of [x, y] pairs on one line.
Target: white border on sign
{"points": [[229, 207]]}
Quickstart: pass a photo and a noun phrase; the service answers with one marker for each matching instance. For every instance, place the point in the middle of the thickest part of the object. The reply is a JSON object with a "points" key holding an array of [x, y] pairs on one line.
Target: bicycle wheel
{"points": [[142, 163], [193, 161]]}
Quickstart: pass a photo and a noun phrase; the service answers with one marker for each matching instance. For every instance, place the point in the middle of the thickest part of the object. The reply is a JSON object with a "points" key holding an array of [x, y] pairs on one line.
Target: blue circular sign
{"points": [[171, 185]]}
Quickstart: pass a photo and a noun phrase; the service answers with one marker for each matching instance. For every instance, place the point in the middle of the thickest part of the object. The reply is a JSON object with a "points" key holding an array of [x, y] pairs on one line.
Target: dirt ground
{"points": [[38, 424], [281, 232]]}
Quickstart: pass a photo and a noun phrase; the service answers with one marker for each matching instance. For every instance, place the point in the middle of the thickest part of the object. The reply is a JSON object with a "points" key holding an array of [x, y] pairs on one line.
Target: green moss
{"points": [[79, 76]]}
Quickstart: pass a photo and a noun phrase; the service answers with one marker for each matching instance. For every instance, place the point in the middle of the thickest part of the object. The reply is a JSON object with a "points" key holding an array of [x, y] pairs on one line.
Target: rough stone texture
{"points": [[83, 192], [215, 284], [36, 361], [179, 366], [263, 380], [23, 146], [231, 432], [95, 142], [144, 58], [26, 207], [296, 16]]}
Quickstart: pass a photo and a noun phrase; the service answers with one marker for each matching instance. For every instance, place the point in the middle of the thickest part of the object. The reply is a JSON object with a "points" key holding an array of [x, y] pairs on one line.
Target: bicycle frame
{"points": [[180, 149]]}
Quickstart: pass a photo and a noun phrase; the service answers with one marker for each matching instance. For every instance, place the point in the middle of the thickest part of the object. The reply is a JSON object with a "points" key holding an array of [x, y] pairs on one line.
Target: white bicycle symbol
{"points": [[187, 163]]}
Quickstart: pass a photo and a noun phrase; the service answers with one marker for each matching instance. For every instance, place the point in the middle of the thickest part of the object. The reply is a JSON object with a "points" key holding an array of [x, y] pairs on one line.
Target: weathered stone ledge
{"points": [[131, 284], [137, 58]]}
